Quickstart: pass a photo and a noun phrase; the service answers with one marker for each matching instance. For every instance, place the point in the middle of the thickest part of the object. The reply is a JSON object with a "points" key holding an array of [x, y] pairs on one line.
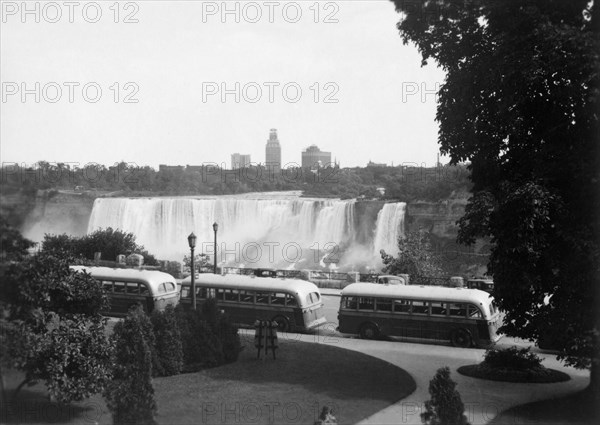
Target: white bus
{"points": [[464, 317], [293, 303], [152, 289]]}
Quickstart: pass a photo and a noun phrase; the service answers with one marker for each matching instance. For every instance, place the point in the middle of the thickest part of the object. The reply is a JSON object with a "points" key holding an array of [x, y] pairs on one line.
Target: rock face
{"points": [[439, 218]]}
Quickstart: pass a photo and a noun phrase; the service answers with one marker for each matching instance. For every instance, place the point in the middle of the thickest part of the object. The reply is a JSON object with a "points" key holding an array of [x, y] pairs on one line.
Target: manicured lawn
{"points": [[291, 389], [577, 408]]}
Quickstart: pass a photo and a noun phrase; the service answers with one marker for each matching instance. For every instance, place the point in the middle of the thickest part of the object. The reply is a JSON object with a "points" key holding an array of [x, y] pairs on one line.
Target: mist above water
{"points": [[257, 230]]}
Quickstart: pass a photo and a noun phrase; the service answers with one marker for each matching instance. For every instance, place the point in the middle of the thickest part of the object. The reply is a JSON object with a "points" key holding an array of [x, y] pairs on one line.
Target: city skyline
{"points": [[329, 85]]}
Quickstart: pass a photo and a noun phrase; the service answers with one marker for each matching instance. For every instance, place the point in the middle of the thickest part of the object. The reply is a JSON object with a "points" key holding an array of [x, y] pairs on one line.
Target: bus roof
{"points": [[251, 282], [152, 277], [438, 293]]}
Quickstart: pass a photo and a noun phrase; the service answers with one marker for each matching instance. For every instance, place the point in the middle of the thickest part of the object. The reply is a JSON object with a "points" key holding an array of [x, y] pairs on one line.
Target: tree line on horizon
{"points": [[407, 182]]}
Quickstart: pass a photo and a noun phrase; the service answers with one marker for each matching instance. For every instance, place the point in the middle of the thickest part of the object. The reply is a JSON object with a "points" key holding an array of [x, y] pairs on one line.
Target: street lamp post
{"points": [[215, 228], [192, 244]]}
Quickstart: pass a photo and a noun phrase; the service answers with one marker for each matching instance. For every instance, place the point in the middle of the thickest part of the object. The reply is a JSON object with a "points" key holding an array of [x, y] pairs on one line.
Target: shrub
{"points": [[130, 396], [52, 329], [169, 351], [512, 358], [445, 406], [208, 337]]}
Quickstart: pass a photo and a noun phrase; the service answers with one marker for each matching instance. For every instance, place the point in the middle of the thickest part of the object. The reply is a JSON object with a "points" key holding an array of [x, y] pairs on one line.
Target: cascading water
{"points": [[261, 231], [390, 226]]}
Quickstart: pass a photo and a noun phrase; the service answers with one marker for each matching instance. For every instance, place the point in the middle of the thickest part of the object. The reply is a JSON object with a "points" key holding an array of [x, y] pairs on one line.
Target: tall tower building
{"points": [[273, 151]]}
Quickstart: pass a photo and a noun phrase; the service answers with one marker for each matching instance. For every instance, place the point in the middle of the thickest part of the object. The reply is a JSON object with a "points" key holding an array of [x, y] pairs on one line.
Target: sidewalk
{"points": [[484, 400]]}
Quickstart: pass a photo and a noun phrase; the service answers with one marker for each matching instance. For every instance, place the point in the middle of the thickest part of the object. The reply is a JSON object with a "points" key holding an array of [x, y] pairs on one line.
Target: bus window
{"points": [[119, 287], [161, 288], [247, 297], [277, 298], [205, 293], [169, 286], [290, 301], [230, 295], [420, 307], [133, 288], [438, 308], [401, 306], [185, 292], [474, 312], [349, 303], [383, 304], [220, 294], [107, 285], [144, 290], [312, 298], [366, 303], [262, 298], [457, 310]]}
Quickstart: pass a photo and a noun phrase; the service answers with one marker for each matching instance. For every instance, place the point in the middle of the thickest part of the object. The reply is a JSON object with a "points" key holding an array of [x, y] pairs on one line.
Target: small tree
{"points": [[130, 395], [445, 406], [54, 330], [169, 350], [107, 241], [415, 257]]}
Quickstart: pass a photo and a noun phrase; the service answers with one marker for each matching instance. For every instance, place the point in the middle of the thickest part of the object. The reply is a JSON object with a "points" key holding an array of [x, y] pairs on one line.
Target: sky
{"points": [[191, 82]]}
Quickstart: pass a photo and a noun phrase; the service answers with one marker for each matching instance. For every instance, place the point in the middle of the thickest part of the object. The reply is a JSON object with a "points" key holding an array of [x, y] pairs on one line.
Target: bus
{"points": [[294, 304], [464, 317], [152, 289]]}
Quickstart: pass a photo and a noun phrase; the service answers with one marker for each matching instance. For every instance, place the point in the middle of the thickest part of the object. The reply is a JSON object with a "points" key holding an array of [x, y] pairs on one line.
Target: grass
{"points": [[291, 389], [579, 408]]}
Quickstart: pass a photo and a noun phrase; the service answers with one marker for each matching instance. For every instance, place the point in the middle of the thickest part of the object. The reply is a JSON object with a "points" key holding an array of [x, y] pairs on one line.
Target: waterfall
{"points": [[390, 226], [264, 231]]}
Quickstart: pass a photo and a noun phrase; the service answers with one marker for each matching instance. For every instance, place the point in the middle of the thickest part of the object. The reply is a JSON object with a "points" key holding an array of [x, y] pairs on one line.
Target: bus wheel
{"points": [[283, 324], [369, 331], [461, 338]]}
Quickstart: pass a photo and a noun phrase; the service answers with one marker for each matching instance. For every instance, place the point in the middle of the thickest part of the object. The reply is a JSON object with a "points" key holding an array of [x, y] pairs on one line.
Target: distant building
{"points": [[313, 157], [196, 168], [376, 164], [239, 161], [273, 151], [164, 167]]}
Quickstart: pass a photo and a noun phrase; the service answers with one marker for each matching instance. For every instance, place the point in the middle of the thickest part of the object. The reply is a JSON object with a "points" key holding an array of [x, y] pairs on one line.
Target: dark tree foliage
{"points": [[407, 181], [45, 282], [109, 242], [208, 337], [168, 344], [445, 406], [13, 246], [415, 258], [130, 395], [520, 102], [52, 328]]}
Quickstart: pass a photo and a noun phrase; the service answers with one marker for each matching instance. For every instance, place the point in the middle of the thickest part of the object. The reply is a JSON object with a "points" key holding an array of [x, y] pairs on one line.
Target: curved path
{"points": [[484, 400]]}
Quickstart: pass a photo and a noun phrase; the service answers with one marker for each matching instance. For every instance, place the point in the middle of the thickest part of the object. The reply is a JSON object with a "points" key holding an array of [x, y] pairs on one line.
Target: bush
{"points": [[445, 406], [512, 358], [169, 351], [208, 337], [130, 396]]}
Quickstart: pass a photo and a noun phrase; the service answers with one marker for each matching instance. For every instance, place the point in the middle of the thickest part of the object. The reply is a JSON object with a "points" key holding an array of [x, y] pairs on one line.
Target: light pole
{"points": [[215, 228], [192, 243]]}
